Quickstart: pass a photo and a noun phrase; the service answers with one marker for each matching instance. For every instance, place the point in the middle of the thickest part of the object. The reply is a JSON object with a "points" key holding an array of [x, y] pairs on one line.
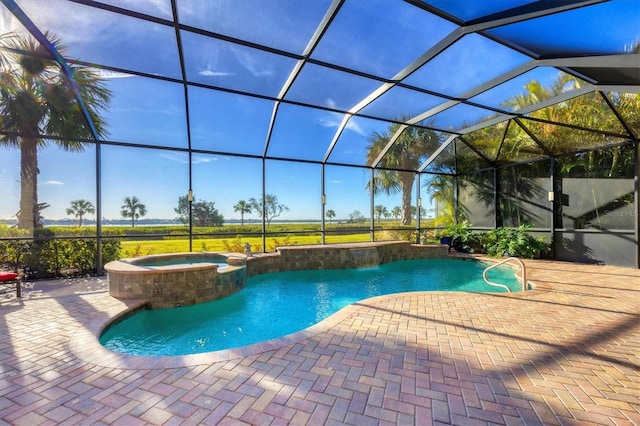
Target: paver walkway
{"points": [[565, 353]]}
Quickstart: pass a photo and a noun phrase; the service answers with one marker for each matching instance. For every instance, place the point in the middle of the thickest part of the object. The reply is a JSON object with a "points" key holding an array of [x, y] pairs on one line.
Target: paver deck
{"points": [[567, 352]]}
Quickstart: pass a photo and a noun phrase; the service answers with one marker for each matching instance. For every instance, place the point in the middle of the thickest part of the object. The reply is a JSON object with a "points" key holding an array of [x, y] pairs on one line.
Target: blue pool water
{"points": [[276, 304]]}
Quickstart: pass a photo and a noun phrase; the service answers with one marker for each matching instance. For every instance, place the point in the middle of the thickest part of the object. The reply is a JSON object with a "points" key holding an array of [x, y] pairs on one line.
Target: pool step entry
{"points": [[522, 277]]}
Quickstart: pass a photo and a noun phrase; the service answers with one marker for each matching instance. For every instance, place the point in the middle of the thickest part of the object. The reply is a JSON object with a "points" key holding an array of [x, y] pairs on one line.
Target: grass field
{"points": [[146, 240], [236, 244]]}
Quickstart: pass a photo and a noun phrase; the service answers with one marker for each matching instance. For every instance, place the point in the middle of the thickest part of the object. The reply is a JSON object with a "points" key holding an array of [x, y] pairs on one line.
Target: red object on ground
{"points": [[11, 276], [8, 276]]}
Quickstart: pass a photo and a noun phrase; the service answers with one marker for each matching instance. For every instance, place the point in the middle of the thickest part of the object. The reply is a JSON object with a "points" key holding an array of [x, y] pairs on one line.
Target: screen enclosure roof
{"points": [[485, 83]]}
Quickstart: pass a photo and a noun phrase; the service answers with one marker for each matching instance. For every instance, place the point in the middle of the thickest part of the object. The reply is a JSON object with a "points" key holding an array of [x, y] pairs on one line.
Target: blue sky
{"points": [[364, 37], [158, 178]]}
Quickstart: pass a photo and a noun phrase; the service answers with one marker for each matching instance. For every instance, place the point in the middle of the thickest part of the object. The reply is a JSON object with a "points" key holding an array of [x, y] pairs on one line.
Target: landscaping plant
{"points": [[515, 242]]}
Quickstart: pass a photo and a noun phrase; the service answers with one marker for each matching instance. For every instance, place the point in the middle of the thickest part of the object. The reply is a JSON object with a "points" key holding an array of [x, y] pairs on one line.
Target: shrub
{"points": [[233, 246], [400, 235], [462, 238], [275, 243], [237, 246], [513, 242], [137, 252], [49, 257]]}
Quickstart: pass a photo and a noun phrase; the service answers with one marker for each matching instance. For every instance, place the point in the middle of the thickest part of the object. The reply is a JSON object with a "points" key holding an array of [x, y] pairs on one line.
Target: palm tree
{"points": [[380, 211], [37, 98], [330, 214], [242, 207], [441, 188], [396, 212], [133, 208], [587, 111], [407, 153], [79, 208]]}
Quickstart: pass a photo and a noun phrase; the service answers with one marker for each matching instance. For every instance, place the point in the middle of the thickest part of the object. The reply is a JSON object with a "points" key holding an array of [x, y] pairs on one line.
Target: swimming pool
{"points": [[277, 304]]}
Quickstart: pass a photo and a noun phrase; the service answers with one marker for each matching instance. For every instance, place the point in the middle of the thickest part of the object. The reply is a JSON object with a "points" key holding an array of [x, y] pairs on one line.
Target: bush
{"points": [[50, 257], [462, 238], [400, 235], [513, 242], [137, 252], [275, 243], [237, 245]]}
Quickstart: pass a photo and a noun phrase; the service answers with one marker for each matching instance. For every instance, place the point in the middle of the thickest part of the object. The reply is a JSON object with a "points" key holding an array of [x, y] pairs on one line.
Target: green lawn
{"points": [[146, 247], [145, 240]]}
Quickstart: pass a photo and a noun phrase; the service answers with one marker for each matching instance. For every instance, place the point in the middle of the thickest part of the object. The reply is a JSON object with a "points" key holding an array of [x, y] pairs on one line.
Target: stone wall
{"points": [[181, 286], [341, 256]]}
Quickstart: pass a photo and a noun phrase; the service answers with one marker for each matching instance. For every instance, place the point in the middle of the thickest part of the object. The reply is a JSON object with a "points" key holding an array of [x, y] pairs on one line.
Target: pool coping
{"points": [[85, 342]]}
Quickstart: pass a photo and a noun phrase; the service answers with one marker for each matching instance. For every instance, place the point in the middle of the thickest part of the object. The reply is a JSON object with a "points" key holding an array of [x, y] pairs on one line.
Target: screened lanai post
{"points": [[636, 201], [497, 218], [185, 88], [323, 203], [190, 201], [455, 198], [99, 269], [264, 216], [372, 232], [553, 203], [455, 180], [419, 204]]}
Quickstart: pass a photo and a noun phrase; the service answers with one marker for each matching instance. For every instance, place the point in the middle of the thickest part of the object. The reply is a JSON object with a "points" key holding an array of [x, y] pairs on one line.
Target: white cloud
{"points": [[210, 73], [53, 182], [84, 22], [335, 118], [183, 158], [9, 23], [106, 74], [337, 182], [354, 126], [162, 6], [203, 160], [250, 63], [178, 157]]}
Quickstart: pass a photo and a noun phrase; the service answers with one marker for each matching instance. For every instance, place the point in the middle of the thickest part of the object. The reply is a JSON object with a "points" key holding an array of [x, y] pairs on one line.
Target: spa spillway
{"points": [[177, 279]]}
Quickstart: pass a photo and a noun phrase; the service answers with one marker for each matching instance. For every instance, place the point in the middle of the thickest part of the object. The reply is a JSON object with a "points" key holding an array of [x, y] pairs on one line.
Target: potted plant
{"points": [[459, 237]]}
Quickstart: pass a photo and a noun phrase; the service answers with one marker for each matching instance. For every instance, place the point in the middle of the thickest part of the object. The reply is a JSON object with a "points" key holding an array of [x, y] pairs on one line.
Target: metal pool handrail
{"points": [[503, 261]]}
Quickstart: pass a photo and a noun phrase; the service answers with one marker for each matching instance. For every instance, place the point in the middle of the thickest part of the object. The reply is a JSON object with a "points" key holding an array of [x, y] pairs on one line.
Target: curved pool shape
{"points": [[276, 304]]}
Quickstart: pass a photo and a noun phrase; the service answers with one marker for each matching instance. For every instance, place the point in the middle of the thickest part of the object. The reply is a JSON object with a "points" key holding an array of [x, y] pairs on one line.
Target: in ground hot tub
{"points": [[177, 279]]}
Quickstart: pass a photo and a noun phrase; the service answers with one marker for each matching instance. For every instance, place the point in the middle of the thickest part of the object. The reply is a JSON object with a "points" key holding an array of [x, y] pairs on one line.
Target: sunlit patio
{"points": [[564, 353]]}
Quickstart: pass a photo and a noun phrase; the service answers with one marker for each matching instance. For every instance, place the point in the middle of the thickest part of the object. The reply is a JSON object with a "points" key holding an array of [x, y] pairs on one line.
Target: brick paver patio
{"points": [[567, 353]]}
